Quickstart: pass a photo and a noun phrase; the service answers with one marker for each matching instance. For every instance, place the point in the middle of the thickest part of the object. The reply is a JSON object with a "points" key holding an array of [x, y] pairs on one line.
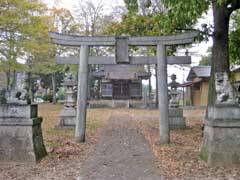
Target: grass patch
{"points": [[67, 133], [93, 124], [52, 144]]}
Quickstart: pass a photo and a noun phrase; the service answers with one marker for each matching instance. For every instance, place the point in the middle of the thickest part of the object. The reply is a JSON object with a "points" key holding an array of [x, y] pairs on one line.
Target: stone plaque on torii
{"points": [[122, 57]]}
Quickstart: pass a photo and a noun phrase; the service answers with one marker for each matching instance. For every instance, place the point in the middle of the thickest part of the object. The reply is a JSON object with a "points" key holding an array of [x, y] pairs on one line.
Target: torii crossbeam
{"points": [[122, 57]]}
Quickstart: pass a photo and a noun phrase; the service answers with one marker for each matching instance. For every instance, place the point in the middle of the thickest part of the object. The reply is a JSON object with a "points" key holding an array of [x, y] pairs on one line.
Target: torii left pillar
{"points": [[80, 127], [162, 94]]}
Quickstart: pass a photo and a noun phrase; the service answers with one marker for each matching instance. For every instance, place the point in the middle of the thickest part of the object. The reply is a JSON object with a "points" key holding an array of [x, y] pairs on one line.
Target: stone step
{"points": [[120, 104]]}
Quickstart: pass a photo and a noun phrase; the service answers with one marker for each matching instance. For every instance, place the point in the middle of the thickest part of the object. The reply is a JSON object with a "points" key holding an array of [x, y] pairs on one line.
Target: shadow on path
{"points": [[122, 153]]}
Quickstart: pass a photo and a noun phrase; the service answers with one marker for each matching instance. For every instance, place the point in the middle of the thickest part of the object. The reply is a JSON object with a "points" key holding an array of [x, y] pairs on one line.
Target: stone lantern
{"points": [[176, 119], [173, 102], [68, 113]]}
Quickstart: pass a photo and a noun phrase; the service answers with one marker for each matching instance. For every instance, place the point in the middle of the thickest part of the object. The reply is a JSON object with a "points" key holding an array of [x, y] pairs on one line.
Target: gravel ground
{"points": [[122, 153]]}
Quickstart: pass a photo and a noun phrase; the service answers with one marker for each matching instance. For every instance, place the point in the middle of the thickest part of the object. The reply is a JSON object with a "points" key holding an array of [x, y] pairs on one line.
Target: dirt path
{"points": [[121, 153]]}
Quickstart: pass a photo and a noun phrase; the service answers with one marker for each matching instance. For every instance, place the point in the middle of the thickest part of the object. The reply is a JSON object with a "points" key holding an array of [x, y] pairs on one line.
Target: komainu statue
{"points": [[224, 89]]}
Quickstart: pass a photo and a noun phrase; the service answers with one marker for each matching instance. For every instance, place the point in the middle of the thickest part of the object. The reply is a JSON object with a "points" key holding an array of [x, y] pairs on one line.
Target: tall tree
{"points": [[90, 16], [222, 11], [21, 26]]}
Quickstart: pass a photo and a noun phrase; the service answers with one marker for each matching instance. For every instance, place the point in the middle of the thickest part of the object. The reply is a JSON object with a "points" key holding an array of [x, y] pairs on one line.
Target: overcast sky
{"points": [[70, 3]]}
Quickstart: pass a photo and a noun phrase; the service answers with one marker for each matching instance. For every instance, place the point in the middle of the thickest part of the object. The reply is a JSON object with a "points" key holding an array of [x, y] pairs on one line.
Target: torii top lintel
{"points": [[75, 40]]}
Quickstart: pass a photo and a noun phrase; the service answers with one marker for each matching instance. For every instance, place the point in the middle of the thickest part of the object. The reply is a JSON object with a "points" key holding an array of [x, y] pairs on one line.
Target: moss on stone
{"points": [[39, 148], [219, 159], [236, 158], [37, 120], [204, 154]]}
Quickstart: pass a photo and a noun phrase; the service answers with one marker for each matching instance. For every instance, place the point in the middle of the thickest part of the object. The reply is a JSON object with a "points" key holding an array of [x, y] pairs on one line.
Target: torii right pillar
{"points": [[162, 94]]}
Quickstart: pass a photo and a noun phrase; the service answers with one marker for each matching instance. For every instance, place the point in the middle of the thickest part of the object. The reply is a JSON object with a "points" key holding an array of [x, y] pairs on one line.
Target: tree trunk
{"points": [[14, 80], [8, 74], [54, 88], [32, 93], [29, 85], [220, 51]]}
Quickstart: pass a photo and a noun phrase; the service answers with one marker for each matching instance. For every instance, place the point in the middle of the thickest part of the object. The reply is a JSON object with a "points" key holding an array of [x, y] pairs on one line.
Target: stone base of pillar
{"points": [[20, 134], [67, 118], [176, 119], [221, 143]]}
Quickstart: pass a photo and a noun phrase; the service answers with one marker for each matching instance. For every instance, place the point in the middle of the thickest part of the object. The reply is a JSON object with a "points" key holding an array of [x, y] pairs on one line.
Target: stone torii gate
{"points": [[122, 57]]}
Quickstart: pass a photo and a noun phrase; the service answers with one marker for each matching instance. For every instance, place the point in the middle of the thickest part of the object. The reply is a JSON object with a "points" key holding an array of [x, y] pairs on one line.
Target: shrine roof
{"points": [[123, 71], [199, 71]]}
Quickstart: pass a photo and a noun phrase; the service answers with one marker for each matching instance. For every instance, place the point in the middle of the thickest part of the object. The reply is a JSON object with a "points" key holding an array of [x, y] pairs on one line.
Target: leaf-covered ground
{"points": [[64, 155], [179, 160]]}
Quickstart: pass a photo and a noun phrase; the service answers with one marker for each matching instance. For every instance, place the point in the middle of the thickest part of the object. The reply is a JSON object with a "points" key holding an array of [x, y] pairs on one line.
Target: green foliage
{"points": [[61, 94], [22, 24], [24, 28], [46, 79], [134, 25], [48, 97], [206, 60], [174, 17], [234, 39], [186, 11], [132, 5]]}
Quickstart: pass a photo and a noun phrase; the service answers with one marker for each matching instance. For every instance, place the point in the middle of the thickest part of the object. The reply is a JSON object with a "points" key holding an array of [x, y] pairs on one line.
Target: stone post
{"points": [[82, 95], [162, 93]]}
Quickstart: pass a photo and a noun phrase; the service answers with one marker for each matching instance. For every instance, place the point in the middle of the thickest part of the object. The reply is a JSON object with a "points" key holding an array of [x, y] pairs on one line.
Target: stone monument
{"points": [[221, 143], [17, 94], [68, 113], [176, 119], [21, 138]]}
